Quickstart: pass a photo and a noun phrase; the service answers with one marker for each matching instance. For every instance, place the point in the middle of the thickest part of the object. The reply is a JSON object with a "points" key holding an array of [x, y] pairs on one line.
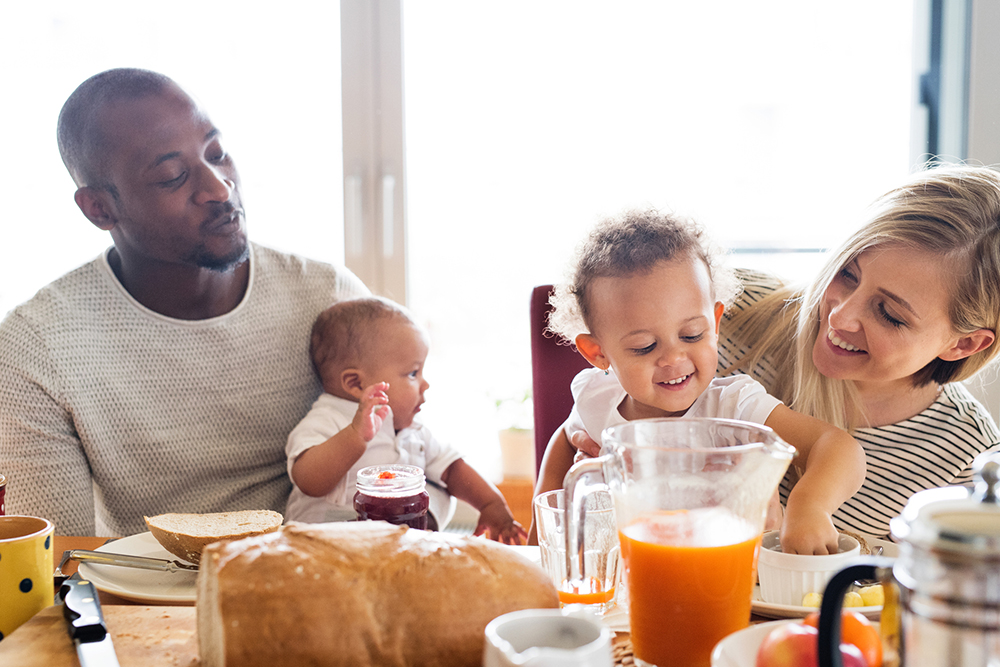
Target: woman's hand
{"points": [[584, 443]]}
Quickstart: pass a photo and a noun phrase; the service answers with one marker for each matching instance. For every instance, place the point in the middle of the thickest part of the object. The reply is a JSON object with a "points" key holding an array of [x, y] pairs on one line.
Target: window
{"points": [[773, 124]]}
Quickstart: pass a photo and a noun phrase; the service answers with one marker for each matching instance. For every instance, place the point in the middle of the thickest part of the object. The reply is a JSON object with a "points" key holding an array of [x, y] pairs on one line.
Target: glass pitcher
{"points": [[943, 591], [690, 500]]}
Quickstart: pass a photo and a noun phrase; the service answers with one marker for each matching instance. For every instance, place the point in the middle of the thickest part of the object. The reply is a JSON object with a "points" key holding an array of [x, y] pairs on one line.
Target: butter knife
{"points": [[126, 560], [85, 623]]}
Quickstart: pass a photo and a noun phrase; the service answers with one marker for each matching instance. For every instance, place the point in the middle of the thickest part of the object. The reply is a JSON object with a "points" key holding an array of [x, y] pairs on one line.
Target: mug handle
{"points": [[833, 601]]}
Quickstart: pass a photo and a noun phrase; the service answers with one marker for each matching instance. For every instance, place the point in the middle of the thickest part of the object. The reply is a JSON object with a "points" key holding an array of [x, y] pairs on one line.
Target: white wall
{"points": [[984, 139], [984, 83]]}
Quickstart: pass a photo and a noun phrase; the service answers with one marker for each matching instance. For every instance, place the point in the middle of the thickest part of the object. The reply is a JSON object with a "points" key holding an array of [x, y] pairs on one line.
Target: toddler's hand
{"points": [[807, 530], [373, 408], [496, 521]]}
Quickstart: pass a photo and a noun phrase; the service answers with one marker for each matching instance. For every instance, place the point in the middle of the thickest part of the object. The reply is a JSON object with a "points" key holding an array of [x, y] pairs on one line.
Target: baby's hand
{"points": [[497, 522], [373, 408], [808, 530]]}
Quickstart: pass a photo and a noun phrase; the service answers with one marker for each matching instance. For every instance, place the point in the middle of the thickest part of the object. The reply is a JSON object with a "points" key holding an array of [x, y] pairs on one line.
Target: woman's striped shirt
{"points": [[931, 449]]}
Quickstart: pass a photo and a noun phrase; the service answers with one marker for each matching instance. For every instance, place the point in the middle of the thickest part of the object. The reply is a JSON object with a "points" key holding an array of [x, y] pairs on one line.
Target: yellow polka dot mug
{"points": [[25, 569]]}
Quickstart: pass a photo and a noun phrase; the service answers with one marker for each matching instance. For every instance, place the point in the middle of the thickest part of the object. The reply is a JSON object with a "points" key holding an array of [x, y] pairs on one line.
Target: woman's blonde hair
{"points": [[953, 211], [629, 244]]}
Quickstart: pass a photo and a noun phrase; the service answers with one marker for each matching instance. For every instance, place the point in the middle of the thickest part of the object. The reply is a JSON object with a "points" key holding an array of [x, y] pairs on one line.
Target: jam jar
{"points": [[393, 493]]}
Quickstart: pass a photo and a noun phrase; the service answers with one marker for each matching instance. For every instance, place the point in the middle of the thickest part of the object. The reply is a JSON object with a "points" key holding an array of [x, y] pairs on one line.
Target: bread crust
{"points": [[185, 535], [365, 593]]}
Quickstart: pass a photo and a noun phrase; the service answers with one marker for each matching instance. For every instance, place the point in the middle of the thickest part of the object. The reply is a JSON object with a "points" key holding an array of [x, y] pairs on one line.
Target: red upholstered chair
{"points": [[553, 368]]}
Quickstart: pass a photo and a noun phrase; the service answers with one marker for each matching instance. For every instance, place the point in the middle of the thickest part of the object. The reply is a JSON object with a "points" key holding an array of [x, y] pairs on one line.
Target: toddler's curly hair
{"points": [[628, 244]]}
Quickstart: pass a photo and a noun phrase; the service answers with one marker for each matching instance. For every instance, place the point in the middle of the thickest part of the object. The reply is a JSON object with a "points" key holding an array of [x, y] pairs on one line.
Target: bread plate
{"points": [[145, 586], [769, 610]]}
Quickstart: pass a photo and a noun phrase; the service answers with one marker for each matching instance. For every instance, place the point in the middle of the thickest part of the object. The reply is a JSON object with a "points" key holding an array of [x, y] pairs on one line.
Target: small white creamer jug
{"points": [[565, 637]]}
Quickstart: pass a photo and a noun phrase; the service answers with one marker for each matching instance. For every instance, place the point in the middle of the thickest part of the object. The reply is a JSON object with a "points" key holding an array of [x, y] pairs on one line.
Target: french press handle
{"points": [[833, 601]]}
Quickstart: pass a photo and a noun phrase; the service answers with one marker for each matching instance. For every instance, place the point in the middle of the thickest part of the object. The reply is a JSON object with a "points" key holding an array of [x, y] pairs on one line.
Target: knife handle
{"points": [[83, 610]]}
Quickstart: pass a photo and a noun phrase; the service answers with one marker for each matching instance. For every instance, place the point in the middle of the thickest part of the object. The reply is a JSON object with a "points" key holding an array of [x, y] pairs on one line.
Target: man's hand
{"points": [[373, 408]]}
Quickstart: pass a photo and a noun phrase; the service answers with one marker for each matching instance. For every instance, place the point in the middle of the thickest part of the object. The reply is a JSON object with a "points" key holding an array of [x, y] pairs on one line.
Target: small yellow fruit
{"points": [[853, 599], [873, 596], [812, 600]]}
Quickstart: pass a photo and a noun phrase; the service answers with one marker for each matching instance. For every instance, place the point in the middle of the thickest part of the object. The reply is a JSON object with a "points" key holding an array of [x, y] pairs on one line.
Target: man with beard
{"points": [[166, 374]]}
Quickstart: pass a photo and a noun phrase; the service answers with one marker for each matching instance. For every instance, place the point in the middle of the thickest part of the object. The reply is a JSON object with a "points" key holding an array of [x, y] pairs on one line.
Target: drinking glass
{"points": [[601, 551]]}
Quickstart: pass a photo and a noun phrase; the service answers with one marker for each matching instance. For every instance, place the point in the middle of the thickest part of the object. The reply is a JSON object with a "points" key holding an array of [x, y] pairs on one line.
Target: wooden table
{"points": [[144, 636]]}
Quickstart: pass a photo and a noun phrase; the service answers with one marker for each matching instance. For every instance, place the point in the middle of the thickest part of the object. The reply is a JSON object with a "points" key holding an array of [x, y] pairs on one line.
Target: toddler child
{"points": [[643, 308], [370, 356]]}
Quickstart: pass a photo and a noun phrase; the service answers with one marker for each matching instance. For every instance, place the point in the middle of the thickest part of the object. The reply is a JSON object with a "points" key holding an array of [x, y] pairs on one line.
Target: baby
{"points": [[643, 308], [370, 356]]}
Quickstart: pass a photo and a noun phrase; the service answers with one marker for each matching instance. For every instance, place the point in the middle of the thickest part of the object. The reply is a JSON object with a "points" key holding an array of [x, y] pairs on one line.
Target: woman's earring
{"points": [[606, 371]]}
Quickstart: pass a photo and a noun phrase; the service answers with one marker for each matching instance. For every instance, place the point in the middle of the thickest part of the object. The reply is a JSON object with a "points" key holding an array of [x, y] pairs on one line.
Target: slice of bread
{"points": [[185, 535]]}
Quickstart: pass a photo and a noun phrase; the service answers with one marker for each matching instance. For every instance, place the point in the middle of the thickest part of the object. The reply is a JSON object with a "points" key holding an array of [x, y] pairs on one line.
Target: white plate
{"points": [[148, 586], [769, 610], [740, 648]]}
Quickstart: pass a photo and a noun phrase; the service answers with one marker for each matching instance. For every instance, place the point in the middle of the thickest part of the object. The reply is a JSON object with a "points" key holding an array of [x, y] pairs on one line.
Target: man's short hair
{"points": [[81, 143]]}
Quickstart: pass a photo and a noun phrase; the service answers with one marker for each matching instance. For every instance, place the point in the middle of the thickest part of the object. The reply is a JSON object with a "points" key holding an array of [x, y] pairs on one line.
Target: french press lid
{"points": [[953, 518]]}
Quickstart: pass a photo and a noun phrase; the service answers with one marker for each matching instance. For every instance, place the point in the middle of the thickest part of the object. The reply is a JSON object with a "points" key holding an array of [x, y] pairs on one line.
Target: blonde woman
{"points": [[902, 312], [878, 343]]}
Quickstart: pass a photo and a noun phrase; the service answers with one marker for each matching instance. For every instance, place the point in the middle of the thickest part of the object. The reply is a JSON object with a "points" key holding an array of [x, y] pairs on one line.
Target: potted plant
{"points": [[516, 435]]}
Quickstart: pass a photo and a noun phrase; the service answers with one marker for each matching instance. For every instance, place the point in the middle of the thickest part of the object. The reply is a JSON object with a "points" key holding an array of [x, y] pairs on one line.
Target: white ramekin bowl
{"points": [[786, 578]]}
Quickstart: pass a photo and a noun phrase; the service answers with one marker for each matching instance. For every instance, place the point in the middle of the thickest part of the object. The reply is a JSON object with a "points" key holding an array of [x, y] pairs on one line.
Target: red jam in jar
{"points": [[393, 493]]}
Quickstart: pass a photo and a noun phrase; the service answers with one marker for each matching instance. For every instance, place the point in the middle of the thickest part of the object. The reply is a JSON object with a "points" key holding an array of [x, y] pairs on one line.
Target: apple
{"points": [[797, 645]]}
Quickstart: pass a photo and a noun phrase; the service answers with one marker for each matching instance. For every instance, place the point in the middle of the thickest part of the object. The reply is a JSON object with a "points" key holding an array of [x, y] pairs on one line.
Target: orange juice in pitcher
{"points": [[690, 585], [690, 499]]}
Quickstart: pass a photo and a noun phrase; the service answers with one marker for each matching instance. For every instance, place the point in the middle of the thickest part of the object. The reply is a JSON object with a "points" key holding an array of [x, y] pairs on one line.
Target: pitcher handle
{"points": [[576, 490], [833, 601]]}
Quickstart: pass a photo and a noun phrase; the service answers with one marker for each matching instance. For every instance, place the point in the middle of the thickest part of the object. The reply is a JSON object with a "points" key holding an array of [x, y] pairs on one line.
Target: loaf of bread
{"points": [[185, 535], [358, 593]]}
